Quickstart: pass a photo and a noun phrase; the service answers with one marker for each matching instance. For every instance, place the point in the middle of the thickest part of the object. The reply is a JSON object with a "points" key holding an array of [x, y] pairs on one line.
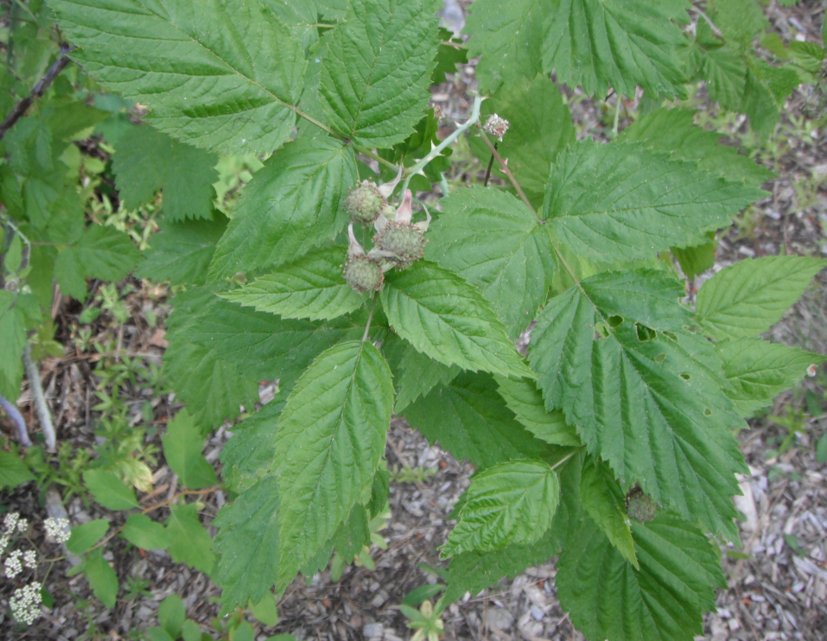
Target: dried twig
{"points": [[17, 417]]}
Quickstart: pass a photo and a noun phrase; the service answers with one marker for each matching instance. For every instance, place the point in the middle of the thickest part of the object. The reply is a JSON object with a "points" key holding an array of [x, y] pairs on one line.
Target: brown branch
{"points": [[506, 170], [39, 89]]}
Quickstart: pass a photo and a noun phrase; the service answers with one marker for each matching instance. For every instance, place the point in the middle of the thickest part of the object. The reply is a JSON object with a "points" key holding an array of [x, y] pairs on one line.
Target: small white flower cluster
{"points": [[57, 528], [13, 565], [496, 126], [13, 522], [25, 603]]}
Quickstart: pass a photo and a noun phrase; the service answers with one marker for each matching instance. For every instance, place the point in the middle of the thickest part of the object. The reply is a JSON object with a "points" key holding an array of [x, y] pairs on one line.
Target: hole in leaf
{"points": [[670, 335], [615, 321], [645, 333], [686, 377], [660, 357], [601, 330], [707, 412]]}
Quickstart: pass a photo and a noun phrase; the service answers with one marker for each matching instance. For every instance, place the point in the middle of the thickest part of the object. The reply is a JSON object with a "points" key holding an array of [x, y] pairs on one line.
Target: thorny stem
{"points": [[370, 317], [42, 409], [419, 166], [506, 170], [17, 417]]}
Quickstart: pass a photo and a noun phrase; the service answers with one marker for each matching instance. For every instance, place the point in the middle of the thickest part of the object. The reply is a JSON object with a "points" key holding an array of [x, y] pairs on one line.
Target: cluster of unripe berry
{"points": [[397, 243]]}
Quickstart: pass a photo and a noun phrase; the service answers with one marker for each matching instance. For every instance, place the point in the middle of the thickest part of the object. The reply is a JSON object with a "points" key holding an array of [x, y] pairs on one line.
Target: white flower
{"points": [[13, 566], [496, 126], [22, 525], [10, 522], [58, 529], [30, 559], [4, 543], [25, 603]]}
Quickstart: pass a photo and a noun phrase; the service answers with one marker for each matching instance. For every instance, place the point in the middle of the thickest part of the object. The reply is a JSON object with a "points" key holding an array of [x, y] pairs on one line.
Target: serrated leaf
{"points": [[739, 20], [496, 243], [646, 396], [508, 37], [377, 70], [251, 450], [248, 542], [183, 447], [469, 419], [190, 542], [448, 56], [147, 161], [603, 500], [747, 298], [418, 375], [696, 260], [446, 318], [601, 43], [103, 252], [228, 83], [311, 287], [13, 340], [648, 204], [182, 252], [726, 76], [330, 439], [141, 531], [86, 535], [292, 204], [109, 490], [664, 600], [102, 578], [13, 471], [353, 534], [672, 131], [511, 502], [758, 371], [526, 401]]}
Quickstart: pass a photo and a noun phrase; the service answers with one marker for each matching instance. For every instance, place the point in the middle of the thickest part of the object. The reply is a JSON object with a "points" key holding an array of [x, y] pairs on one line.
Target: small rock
{"points": [[498, 619], [373, 630], [537, 613]]}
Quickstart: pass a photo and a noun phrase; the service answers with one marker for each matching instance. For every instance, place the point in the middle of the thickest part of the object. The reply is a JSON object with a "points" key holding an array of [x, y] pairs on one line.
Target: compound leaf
{"points": [[444, 317], [511, 502], [143, 532], [469, 419], [86, 535], [183, 445], [747, 298], [13, 339], [496, 243], [647, 202], [190, 542], [109, 490], [13, 471], [377, 70], [250, 451], [524, 399], [609, 599], [148, 160], [102, 578], [310, 287], [222, 74], [292, 204], [331, 436], [617, 43]]}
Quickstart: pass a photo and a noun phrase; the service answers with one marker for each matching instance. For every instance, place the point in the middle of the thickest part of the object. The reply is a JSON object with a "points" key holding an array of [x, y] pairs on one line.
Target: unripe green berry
{"points": [[364, 203], [640, 506], [403, 240], [363, 274]]}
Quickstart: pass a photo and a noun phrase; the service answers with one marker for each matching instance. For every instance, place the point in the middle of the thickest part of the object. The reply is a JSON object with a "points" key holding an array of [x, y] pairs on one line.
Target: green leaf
{"points": [[248, 542], [758, 371], [540, 127], [747, 298], [13, 471], [171, 615], [251, 449], [86, 535], [190, 542], [376, 74], [444, 317], [418, 375], [148, 160], [353, 534], [664, 600], [508, 36], [524, 399], [265, 610], [603, 499], [696, 260], [330, 439], [183, 447], [469, 419], [648, 203], [646, 396], [13, 340], [102, 578], [311, 287], [109, 490], [222, 75], [448, 56], [726, 76], [191, 632], [292, 204], [673, 131], [159, 634], [183, 251], [739, 20], [141, 531], [511, 502], [601, 43], [496, 243]]}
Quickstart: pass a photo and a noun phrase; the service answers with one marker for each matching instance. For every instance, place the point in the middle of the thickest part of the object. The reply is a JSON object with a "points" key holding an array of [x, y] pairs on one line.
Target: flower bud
{"points": [[364, 203], [363, 274], [403, 241], [496, 126]]}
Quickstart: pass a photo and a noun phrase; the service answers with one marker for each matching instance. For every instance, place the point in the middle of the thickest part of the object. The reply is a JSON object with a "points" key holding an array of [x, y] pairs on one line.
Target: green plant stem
{"points": [[378, 158], [420, 165], [617, 115], [370, 317], [504, 166]]}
